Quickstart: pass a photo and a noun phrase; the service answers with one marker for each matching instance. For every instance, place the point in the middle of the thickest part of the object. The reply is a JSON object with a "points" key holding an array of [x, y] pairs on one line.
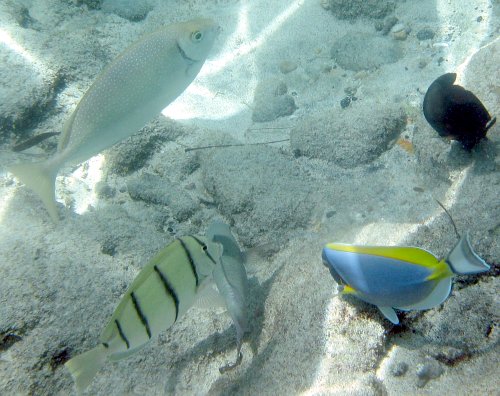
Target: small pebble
{"points": [[287, 66], [351, 91], [425, 34], [399, 32], [325, 4], [330, 213], [401, 35], [345, 102], [271, 101], [422, 63], [109, 246], [361, 74], [389, 23]]}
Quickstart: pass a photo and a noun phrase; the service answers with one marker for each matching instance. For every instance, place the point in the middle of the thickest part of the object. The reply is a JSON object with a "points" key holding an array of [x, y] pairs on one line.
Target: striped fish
{"points": [[160, 294]]}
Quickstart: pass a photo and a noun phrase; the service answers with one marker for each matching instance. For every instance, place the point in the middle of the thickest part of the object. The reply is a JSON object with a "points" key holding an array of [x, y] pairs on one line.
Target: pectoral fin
{"points": [[389, 313], [209, 298]]}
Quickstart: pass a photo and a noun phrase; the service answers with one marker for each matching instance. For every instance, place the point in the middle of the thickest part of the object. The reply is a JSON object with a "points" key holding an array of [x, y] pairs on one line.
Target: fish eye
{"points": [[197, 36]]}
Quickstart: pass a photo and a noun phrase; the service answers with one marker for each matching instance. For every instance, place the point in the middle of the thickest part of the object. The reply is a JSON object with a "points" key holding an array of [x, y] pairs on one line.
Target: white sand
{"points": [[57, 287]]}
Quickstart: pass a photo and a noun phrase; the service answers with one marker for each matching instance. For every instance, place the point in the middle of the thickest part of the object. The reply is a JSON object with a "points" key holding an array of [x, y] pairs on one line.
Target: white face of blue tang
{"points": [[331, 268]]}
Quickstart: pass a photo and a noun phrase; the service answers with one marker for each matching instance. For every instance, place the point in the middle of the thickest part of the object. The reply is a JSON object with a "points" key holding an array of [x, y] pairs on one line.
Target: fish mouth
{"points": [[336, 276], [185, 56]]}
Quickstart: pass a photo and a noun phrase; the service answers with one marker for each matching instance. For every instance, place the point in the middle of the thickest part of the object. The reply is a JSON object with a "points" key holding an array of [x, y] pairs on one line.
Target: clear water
{"points": [[303, 127]]}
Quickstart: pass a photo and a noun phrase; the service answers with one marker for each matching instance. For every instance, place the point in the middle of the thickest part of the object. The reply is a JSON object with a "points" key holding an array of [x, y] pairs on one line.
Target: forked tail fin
{"points": [[464, 260], [84, 367], [41, 178]]}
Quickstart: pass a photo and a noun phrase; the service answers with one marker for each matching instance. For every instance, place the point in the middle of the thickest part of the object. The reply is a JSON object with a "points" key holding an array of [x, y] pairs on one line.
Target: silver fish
{"points": [[231, 279], [126, 95]]}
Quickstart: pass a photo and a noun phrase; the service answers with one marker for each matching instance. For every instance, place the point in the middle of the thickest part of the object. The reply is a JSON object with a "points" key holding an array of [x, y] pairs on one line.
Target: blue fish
{"points": [[403, 278]]}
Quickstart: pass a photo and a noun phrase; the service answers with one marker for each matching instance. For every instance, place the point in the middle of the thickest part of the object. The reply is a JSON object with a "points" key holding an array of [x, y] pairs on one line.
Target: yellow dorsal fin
{"points": [[412, 255]]}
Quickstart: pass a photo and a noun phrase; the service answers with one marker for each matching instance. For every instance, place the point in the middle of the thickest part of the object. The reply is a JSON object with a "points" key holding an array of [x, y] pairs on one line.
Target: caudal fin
{"points": [[84, 367], [464, 260], [41, 178]]}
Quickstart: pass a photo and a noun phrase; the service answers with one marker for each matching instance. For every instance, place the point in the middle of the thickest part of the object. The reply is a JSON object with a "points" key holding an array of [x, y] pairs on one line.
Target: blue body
{"points": [[380, 280]]}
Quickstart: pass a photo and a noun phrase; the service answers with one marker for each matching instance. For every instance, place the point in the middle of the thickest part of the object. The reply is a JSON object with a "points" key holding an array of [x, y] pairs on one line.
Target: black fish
{"points": [[33, 141], [455, 112]]}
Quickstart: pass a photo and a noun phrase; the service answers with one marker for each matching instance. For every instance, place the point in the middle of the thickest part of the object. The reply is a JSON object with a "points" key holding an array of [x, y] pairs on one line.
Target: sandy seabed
{"points": [[355, 174]]}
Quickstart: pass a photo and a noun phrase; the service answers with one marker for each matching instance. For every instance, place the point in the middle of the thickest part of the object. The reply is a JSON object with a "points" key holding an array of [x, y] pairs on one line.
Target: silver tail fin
{"points": [[41, 178], [463, 260]]}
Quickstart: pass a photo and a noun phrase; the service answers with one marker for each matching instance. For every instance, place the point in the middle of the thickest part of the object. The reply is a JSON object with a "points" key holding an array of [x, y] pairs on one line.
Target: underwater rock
{"points": [[431, 369], [155, 189], [134, 153], [345, 102], [104, 190], [24, 108], [455, 112], [271, 101], [92, 4], [362, 51], [465, 319], [425, 34], [132, 10], [386, 26], [352, 9], [287, 66], [398, 369], [251, 187], [21, 13], [355, 136]]}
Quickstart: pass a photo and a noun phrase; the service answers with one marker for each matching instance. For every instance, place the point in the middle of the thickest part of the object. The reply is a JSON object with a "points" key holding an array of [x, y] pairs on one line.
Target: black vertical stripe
{"points": [[122, 334], [141, 315], [205, 249], [190, 258], [169, 290]]}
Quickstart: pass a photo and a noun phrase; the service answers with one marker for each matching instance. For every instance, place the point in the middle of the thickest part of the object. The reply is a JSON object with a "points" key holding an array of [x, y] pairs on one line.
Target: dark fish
{"points": [[33, 141], [455, 112]]}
